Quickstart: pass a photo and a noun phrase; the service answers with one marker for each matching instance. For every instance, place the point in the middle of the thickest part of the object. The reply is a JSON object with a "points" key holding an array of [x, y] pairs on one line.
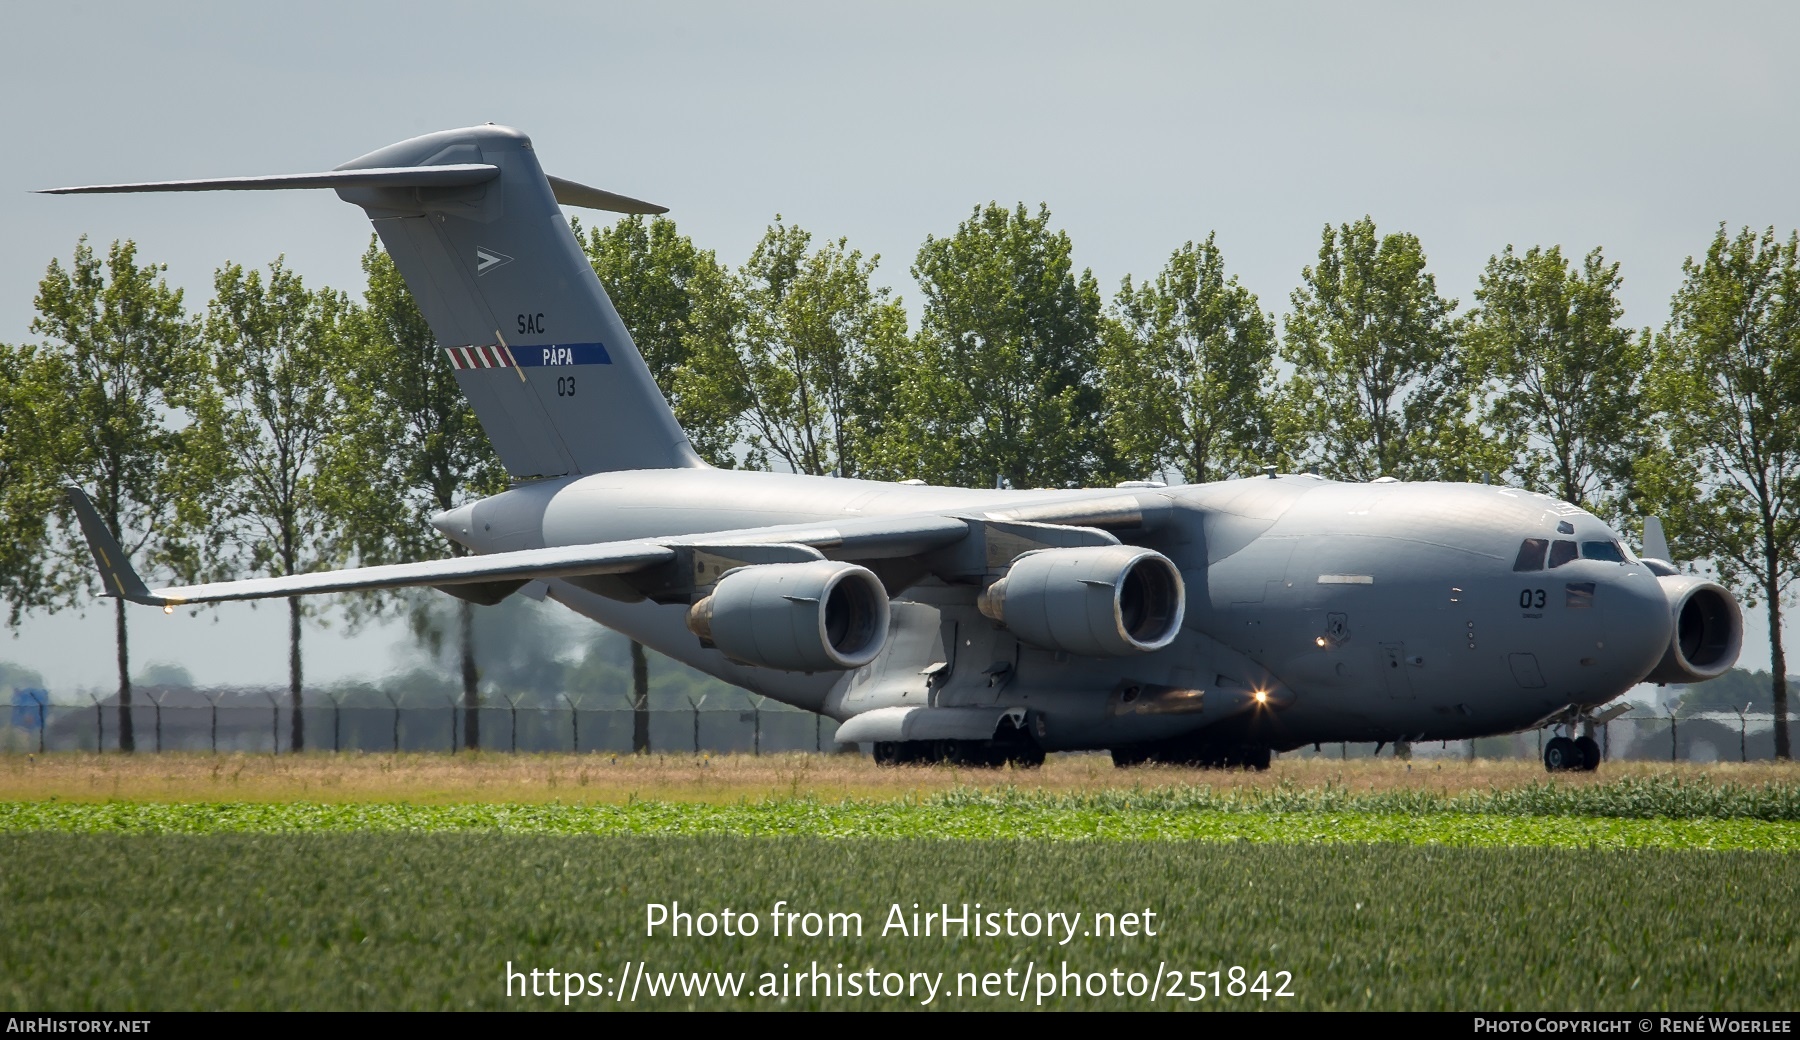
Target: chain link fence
{"points": [[261, 721], [1639, 736], [234, 721]]}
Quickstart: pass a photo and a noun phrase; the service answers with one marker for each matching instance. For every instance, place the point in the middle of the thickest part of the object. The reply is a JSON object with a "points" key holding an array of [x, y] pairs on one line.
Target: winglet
{"points": [[116, 573], [1656, 546]]}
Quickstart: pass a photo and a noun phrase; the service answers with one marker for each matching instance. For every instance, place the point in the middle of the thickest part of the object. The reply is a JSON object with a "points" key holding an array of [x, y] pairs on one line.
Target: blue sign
{"points": [[28, 707]]}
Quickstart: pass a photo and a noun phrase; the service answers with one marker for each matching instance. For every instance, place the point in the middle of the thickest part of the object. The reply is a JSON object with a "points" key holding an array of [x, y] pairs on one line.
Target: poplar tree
{"points": [[796, 363], [278, 363], [1567, 377], [1380, 387], [119, 367], [1726, 388], [1001, 381], [1188, 371]]}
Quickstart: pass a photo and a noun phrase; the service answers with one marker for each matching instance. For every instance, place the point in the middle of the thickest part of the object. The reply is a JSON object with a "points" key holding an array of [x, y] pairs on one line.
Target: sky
{"points": [[1636, 127]]}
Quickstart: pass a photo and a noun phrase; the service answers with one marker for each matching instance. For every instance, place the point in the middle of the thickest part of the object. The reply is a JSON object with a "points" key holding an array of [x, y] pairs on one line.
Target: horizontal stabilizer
{"points": [[460, 175], [569, 193]]}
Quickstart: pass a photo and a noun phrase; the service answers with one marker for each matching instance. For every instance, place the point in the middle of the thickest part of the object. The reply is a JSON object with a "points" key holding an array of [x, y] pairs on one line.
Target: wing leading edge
{"points": [[874, 538]]}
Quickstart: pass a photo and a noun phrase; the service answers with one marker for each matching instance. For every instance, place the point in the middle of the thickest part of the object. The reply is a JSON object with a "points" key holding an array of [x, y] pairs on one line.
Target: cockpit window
{"points": [[1608, 551], [1531, 554], [1561, 552]]}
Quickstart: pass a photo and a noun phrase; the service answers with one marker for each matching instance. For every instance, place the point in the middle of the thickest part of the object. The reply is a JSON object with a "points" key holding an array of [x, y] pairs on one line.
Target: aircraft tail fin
{"points": [[472, 224]]}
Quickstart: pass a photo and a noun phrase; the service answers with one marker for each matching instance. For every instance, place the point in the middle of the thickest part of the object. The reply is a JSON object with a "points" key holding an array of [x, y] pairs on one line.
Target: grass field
{"points": [[410, 882], [466, 778], [431, 920]]}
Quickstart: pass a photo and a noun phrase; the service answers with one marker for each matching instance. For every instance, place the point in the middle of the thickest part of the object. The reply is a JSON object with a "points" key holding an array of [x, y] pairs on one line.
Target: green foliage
{"points": [[795, 351], [1726, 388], [119, 368], [279, 356], [672, 298], [1188, 370], [1001, 380], [31, 449], [1380, 387], [112, 388], [1568, 379]]}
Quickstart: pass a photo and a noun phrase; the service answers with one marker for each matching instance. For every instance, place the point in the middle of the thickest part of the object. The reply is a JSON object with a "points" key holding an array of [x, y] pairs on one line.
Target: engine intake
{"points": [[798, 617], [1709, 631], [1096, 601]]}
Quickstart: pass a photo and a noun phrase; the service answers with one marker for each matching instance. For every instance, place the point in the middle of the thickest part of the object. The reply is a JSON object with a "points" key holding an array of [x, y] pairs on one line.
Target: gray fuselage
{"points": [[1316, 610]]}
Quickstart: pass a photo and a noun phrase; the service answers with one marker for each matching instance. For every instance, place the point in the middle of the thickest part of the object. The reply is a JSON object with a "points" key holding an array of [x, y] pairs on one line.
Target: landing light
{"points": [[169, 609], [1319, 641], [1262, 696]]}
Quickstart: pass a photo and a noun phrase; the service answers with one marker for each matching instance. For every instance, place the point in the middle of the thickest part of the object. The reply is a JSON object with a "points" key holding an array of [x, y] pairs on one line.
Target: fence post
{"points": [[1743, 731], [396, 705], [156, 710], [574, 726], [99, 725], [337, 707], [696, 707], [452, 702], [818, 732], [212, 703], [274, 724], [512, 704], [1671, 734], [756, 724]]}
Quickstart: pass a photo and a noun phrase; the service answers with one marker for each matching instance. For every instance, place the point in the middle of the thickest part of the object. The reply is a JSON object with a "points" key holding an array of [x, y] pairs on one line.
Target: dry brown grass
{"points": [[437, 778]]}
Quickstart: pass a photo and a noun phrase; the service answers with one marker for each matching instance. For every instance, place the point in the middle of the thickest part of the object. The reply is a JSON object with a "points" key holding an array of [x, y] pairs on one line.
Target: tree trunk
{"points": [[126, 741], [470, 680], [297, 742], [640, 700], [1778, 680]]}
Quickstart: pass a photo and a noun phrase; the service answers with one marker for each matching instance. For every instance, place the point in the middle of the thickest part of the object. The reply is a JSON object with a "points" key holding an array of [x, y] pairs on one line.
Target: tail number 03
{"points": [[565, 386]]}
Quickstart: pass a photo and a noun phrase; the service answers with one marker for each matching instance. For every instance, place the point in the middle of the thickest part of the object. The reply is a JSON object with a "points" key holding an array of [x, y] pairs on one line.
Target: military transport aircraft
{"points": [[1204, 624]]}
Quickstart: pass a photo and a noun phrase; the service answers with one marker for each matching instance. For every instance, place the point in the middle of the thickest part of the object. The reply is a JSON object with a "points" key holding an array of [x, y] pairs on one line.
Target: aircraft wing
{"points": [[866, 538]]}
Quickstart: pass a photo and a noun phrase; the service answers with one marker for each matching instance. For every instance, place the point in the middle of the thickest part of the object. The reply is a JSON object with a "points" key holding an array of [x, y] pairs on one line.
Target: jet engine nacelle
{"points": [[1709, 631], [1097, 601], [798, 617]]}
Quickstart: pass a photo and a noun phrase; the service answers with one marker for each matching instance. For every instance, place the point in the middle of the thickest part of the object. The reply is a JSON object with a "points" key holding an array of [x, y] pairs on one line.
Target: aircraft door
{"points": [[1393, 671]]}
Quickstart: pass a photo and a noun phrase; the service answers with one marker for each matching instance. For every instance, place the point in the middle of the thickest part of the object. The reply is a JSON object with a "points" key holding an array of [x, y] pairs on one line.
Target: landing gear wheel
{"points": [[1257, 758], [1589, 750], [1126, 757], [1561, 755]]}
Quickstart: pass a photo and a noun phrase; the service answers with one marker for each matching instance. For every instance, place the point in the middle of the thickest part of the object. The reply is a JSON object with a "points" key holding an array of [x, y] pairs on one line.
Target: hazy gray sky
{"points": [[1637, 127]]}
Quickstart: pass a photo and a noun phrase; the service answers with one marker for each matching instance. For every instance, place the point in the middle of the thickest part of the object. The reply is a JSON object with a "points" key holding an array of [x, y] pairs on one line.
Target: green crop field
{"points": [[1639, 892], [403, 919]]}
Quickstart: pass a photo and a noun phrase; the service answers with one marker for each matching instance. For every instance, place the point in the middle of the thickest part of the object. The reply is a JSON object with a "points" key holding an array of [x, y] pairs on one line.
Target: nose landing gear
{"points": [[1581, 754], [1566, 753]]}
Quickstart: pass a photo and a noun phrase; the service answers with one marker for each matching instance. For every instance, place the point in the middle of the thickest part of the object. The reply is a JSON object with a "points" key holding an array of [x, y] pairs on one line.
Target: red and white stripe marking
{"points": [[496, 356]]}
